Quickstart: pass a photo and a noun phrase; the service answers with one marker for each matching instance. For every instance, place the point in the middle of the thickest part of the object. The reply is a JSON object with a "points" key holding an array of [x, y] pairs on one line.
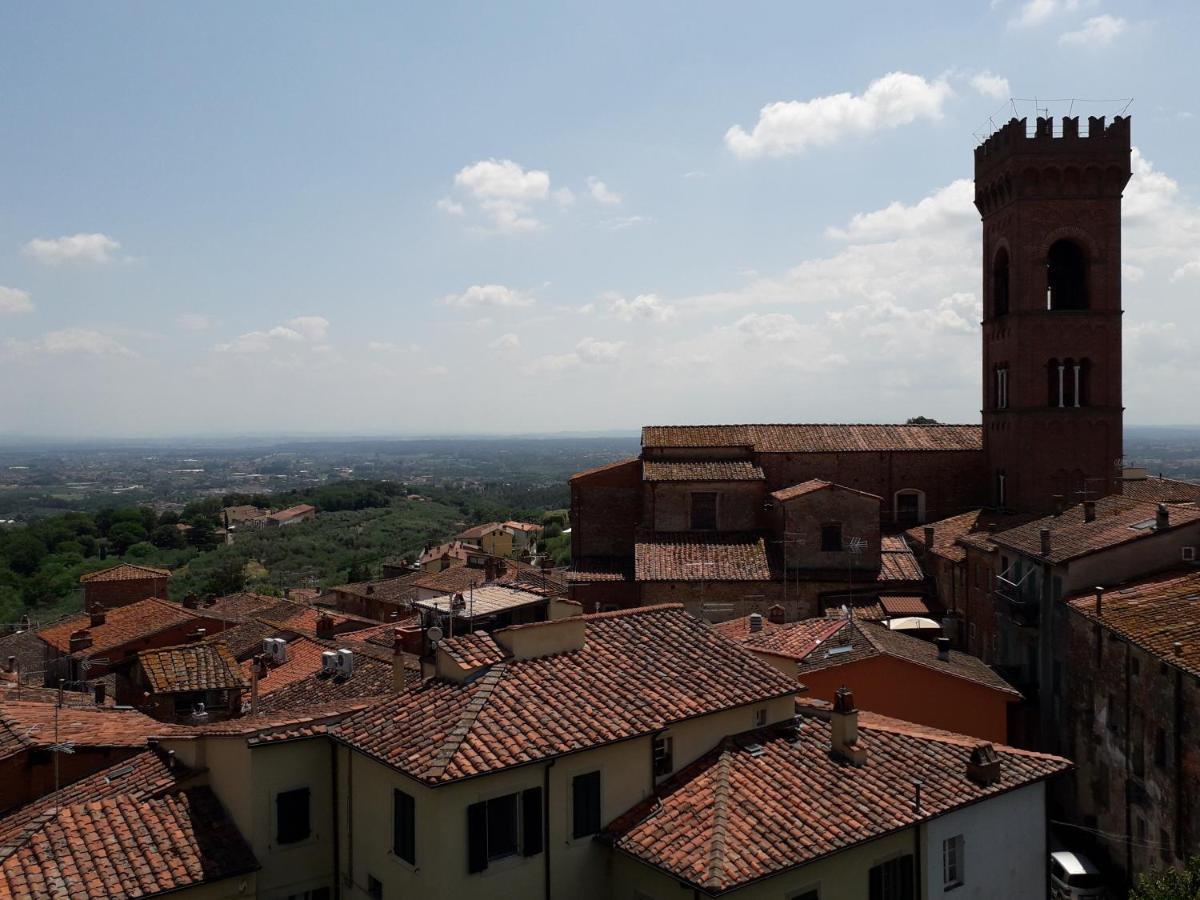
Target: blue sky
{"points": [[303, 218]]}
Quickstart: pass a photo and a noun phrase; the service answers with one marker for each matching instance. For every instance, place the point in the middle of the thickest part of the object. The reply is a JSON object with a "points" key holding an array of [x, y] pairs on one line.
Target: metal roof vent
{"points": [[756, 622], [756, 749]]}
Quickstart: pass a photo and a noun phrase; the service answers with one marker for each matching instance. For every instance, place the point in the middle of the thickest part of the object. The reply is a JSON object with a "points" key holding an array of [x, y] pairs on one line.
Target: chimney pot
{"points": [[1089, 510], [843, 723], [1045, 534], [1099, 601], [1162, 518], [1178, 648], [11, 665], [324, 625], [928, 538], [756, 622], [97, 616], [943, 649], [191, 601], [983, 766], [776, 615], [98, 692]]}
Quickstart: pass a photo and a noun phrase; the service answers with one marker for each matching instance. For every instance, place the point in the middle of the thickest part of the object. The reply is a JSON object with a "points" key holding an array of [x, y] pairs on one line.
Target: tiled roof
{"points": [[904, 604], [190, 667], [470, 651], [124, 572], [303, 619], [1071, 537], [475, 532], [303, 659], [245, 638], [243, 605], [299, 682], [261, 724], [816, 438], [121, 625], [897, 562], [768, 801], [794, 640], [237, 514], [701, 556], [453, 550], [523, 526], [121, 847], [595, 568], [813, 485], [701, 470], [292, 512], [1157, 489], [946, 533], [29, 725], [29, 651], [990, 524], [638, 671], [596, 470], [1155, 613]]}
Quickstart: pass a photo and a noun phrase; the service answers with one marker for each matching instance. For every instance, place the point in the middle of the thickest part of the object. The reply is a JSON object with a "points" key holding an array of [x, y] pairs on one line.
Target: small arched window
{"points": [[909, 507], [1066, 276], [1000, 283]]}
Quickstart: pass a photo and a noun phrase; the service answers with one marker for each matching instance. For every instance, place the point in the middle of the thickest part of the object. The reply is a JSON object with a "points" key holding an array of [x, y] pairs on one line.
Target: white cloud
{"points": [[194, 322], [1099, 31], [792, 126], [509, 341], [504, 193], [451, 207], [14, 300], [647, 307], [591, 350], [495, 295], [311, 328], [77, 341], [588, 351], [94, 248], [990, 85], [392, 347], [622, 222], [563, 196], [1037, 12], [601, 193], [951, 206], [309, 331], [1187, 270]]}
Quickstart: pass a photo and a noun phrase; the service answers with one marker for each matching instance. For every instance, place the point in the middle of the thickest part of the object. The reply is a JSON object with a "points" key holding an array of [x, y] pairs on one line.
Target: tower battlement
{"points": [[1102, 145]]}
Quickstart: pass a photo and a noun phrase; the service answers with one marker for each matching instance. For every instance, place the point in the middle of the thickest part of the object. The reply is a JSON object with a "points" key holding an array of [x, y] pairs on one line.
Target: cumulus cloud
{"points": [[792, 126], [76, 341], [948, 207], [493, 295], [194, 322], [591, 350], [14, 300], [509, 341], [306, 330], [990, 85], [644, 307], [1037, 12], [601, 193], [90, 248], [588, 351], [502, 193], [1099, 31]]}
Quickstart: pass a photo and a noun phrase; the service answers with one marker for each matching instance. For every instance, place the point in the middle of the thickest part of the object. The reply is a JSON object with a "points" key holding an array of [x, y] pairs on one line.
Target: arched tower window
{"points": [[1000, 283], [1066, 276], [909, 507]]}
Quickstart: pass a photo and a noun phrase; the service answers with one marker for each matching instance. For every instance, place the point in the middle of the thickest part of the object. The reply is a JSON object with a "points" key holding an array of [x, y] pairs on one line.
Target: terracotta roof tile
{"points": [[475, 532], [261, 724], [637, 671], [299, 683], [946, 533], [590, 569], [904, 605], [125, 572], [459, 550], [523, 526], [897, 562], [768, 801], [596, 470], [190, 667], [1157, 489], [120, 847], [816, 438], [471, 651], [813, 485], [243, 605], [28, 725], [292, 512], [795, 640], [701, 556], [702, 470], [121, 625]]}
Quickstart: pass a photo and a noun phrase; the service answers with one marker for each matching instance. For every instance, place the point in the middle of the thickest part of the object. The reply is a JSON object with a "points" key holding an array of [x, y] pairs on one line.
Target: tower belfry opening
{"points": [[1066, 276]]}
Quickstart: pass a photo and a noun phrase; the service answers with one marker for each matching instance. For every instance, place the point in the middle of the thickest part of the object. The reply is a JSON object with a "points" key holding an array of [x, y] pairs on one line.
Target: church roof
{"points": [[815, 438]]}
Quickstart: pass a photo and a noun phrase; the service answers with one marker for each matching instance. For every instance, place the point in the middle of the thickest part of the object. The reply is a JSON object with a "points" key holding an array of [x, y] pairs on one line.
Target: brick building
{"points": [[126, 583]]}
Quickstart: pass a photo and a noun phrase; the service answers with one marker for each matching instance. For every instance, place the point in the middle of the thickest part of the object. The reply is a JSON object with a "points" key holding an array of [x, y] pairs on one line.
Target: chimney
{"points": [[196, 636], [991, 527], [1099, 601], [928, 538], [1059, 504], [1162, 518], [1045, 533], [756, 622], [97, 616], [98, 691], [398, 640], [80, 640], [843, 724], [191, 601], [324, 626], [1178, 648], [776, 615], [412, 637], [983, 766], [1089, 510], [943, 649]]}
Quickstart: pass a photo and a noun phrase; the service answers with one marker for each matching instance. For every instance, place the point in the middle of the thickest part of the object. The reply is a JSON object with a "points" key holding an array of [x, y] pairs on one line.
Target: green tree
{"points": [[168, 537], [1169, 884], [202, 536], [141, 550], [25, 553], [227, 577], [922, 420], [124, 535]]}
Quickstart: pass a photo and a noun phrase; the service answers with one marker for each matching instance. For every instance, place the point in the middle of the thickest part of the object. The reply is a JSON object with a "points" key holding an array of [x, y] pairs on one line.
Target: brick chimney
{"points": [[843, 724], [98, 692], [776, 615], [11, 664], [928, 538], [96, 616], [1045, 535], [197, 636], [983, 766], [324, 626], [943, 649], [80, 640], [398, 648], [1162, 518], [1089, 510]]}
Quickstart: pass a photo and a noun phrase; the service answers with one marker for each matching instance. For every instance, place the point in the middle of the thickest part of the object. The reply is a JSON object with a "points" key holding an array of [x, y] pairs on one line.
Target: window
{"points": [[831, 537], [404, 827], [374, 888], [704, 511], [1001, 489], [1000, 283], [504, 826], [952, 862], [1066, 277], [1000, 387], [1160, 748], [664, 747], [760, 718], [892, 880], [291, 816], [910, 507], [585, 804]]}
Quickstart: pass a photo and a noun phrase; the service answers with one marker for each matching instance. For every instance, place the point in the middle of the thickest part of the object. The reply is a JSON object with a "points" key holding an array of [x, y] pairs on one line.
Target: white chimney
{"points": [[756, 622], [1162, 518]]}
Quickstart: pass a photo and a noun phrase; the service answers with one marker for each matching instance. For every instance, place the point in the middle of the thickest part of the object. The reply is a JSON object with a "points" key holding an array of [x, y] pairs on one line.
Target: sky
{"points": [[302, 218]]}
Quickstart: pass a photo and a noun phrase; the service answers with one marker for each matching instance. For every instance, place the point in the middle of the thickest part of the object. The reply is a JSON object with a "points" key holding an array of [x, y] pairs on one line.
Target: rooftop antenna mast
{"points": [[854, 547]]}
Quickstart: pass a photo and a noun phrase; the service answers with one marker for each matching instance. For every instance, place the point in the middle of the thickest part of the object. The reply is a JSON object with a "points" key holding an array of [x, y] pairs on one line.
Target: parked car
{"points": [[1074, 877]]}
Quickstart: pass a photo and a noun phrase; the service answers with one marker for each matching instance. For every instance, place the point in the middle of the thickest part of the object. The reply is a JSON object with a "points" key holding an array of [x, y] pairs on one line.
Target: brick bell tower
{"points": [[1051, 208]]}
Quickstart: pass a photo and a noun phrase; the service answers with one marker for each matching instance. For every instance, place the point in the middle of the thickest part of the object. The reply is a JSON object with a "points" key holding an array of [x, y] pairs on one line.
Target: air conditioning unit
{"points": [[1189, 554], [345, 663], [275, 649], [329, 662]]}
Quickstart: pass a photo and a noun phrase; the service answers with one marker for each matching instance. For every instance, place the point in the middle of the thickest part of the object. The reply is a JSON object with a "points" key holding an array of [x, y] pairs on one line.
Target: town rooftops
{"points": [[453, 549], [245, 513], [470, 651], [30, 726], [764, 802], [701, 470], [475, 532], [120, 626], [1159, 613], [485, 600], [813, 485], [1118, 520], [701, 556], [815, 438], [1157, 489], [190, 667], [946, 533], [591, 569], [124, 572], [523, 526], [636, 672], [897, 562], [125, 846], [292, 512], [259, 725]]}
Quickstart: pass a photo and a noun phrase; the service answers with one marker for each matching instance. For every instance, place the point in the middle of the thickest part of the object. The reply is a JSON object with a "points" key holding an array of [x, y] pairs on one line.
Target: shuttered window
{"points": [[893, 880], [585, 804], [504, 826]]}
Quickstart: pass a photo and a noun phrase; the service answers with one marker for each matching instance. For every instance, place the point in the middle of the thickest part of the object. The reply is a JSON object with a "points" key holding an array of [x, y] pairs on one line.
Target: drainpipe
{"points": [[546, 823], [337, 855]]}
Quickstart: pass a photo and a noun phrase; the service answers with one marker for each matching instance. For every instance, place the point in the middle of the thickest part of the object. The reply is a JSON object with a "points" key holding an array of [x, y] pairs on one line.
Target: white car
{"points": [[1074, 877]]}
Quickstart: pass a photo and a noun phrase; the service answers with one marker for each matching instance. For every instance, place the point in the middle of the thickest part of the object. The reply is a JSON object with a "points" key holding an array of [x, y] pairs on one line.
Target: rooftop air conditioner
{"points": [[345, 663], [329, 661]]}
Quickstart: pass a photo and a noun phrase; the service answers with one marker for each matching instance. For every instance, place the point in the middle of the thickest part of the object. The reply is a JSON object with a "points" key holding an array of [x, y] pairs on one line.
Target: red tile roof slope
{"points": [[904, 605], [125, 572], [261, 724], [701, 470], [701, 556], [946, 533], [590, 569], [596, 470], [897, 562], [638, 671], [242, 605], [816, 438], [475, 532], [1071, 537], [122, 847], [470, 651], [794, 640], [768, 801], [813, 485], [1157, 489], [29, 725], [191, 667], [1156, 613], [121, 625]]}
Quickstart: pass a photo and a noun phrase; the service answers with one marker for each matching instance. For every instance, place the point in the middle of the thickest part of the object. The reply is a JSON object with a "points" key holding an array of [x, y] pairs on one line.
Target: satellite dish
{"points": [[435, 634]]}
